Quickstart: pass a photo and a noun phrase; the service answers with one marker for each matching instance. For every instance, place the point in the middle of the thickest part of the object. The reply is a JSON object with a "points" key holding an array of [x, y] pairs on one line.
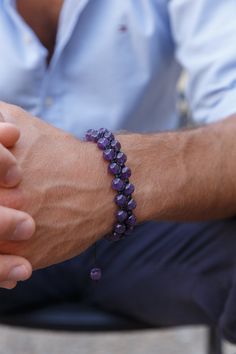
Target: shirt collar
{"points": [[70, 14]]}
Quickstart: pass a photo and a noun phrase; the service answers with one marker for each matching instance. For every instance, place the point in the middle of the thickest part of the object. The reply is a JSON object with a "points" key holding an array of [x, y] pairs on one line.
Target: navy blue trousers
{"points": [[164, 274]]}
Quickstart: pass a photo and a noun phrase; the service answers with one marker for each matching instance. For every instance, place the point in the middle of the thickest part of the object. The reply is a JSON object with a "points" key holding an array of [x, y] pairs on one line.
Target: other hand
{"points": [[14, 225]]}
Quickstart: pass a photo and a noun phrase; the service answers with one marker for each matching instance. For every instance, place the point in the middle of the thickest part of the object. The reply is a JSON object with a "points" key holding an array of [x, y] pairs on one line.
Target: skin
{"points": [[10, 219], [66, 186], [184, 176], [62, 177]]}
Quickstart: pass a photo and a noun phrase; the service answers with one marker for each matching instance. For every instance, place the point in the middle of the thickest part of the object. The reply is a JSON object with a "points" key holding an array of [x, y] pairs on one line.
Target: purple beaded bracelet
{"points": [[125, 219]]}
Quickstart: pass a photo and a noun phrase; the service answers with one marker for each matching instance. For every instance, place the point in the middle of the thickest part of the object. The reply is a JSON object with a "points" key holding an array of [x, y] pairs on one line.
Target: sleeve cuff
{"points": [[223, 108]]}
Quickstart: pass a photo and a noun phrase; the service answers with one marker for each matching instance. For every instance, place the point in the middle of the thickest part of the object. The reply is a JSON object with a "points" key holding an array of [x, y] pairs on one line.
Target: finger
{"points": [[9, 134], [14, 268], [10, 172], [15, 225], [9, 285]]}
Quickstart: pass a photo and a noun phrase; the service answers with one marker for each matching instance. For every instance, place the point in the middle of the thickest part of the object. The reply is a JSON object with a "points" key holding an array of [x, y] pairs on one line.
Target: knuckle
{"points": [[10, 111], [15, 110]]}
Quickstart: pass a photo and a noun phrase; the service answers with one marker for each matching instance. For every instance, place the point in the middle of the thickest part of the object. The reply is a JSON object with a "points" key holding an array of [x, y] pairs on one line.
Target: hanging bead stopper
{"points": [[96, 274]]}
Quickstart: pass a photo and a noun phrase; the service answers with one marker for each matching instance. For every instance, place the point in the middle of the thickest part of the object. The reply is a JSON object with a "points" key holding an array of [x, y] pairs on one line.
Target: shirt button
{"points": [[48, 101]]}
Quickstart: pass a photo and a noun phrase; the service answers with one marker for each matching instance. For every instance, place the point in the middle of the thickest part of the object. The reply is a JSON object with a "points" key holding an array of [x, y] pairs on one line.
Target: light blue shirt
{"points": [[116, 63]]}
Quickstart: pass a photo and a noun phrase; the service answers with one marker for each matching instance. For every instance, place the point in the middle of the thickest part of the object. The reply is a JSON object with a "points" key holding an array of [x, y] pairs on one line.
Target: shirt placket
{"points": [[69, 17], [45, 73]]}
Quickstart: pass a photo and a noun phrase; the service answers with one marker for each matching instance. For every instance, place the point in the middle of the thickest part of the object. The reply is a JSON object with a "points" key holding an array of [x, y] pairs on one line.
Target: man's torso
{"points": [[112, 64]]}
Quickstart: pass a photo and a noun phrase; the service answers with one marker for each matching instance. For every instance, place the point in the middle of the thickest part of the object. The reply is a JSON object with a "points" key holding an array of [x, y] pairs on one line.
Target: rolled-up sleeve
{"points": [[205, 35]]}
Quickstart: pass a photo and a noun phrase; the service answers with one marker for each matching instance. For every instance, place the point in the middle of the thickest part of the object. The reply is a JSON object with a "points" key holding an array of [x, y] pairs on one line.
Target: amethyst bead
{"points": [[131, 204], [125, 220], [129, 189], [109, 154], [114, 237], [121, 215], [102, 131], [88, 135], [120, 229], [121, 158], [103, 143], [129, 230], [131, 221], [121, 200], [96, 274], [108, 135], [114, 168], [118, 184], [125, 172], [115, 145], [95, 136]]}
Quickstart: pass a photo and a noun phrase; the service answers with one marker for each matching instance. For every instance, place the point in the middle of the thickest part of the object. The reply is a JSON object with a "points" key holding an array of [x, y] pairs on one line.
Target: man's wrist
{"points": [[186, 175], [141, 153], [96, 195]]}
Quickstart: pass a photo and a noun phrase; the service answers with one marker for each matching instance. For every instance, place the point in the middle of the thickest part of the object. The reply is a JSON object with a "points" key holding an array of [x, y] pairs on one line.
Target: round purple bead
{"points": [[125, 172], [121, 215], [129, 230], [120, 229], [113, 237], [131, 204], [115, 145], [121, 200], [121, 158], [109, 154], [131, 221], [129, 189], [117, 159], [102, 131], [114, 168], [108, 135], [88, 135], [103, 143], [95, 274], [118, 184], [95, 136]]}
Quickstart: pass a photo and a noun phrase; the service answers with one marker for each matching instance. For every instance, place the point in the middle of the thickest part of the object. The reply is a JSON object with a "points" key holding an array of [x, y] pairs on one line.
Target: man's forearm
{"points": [[187, 175]]}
